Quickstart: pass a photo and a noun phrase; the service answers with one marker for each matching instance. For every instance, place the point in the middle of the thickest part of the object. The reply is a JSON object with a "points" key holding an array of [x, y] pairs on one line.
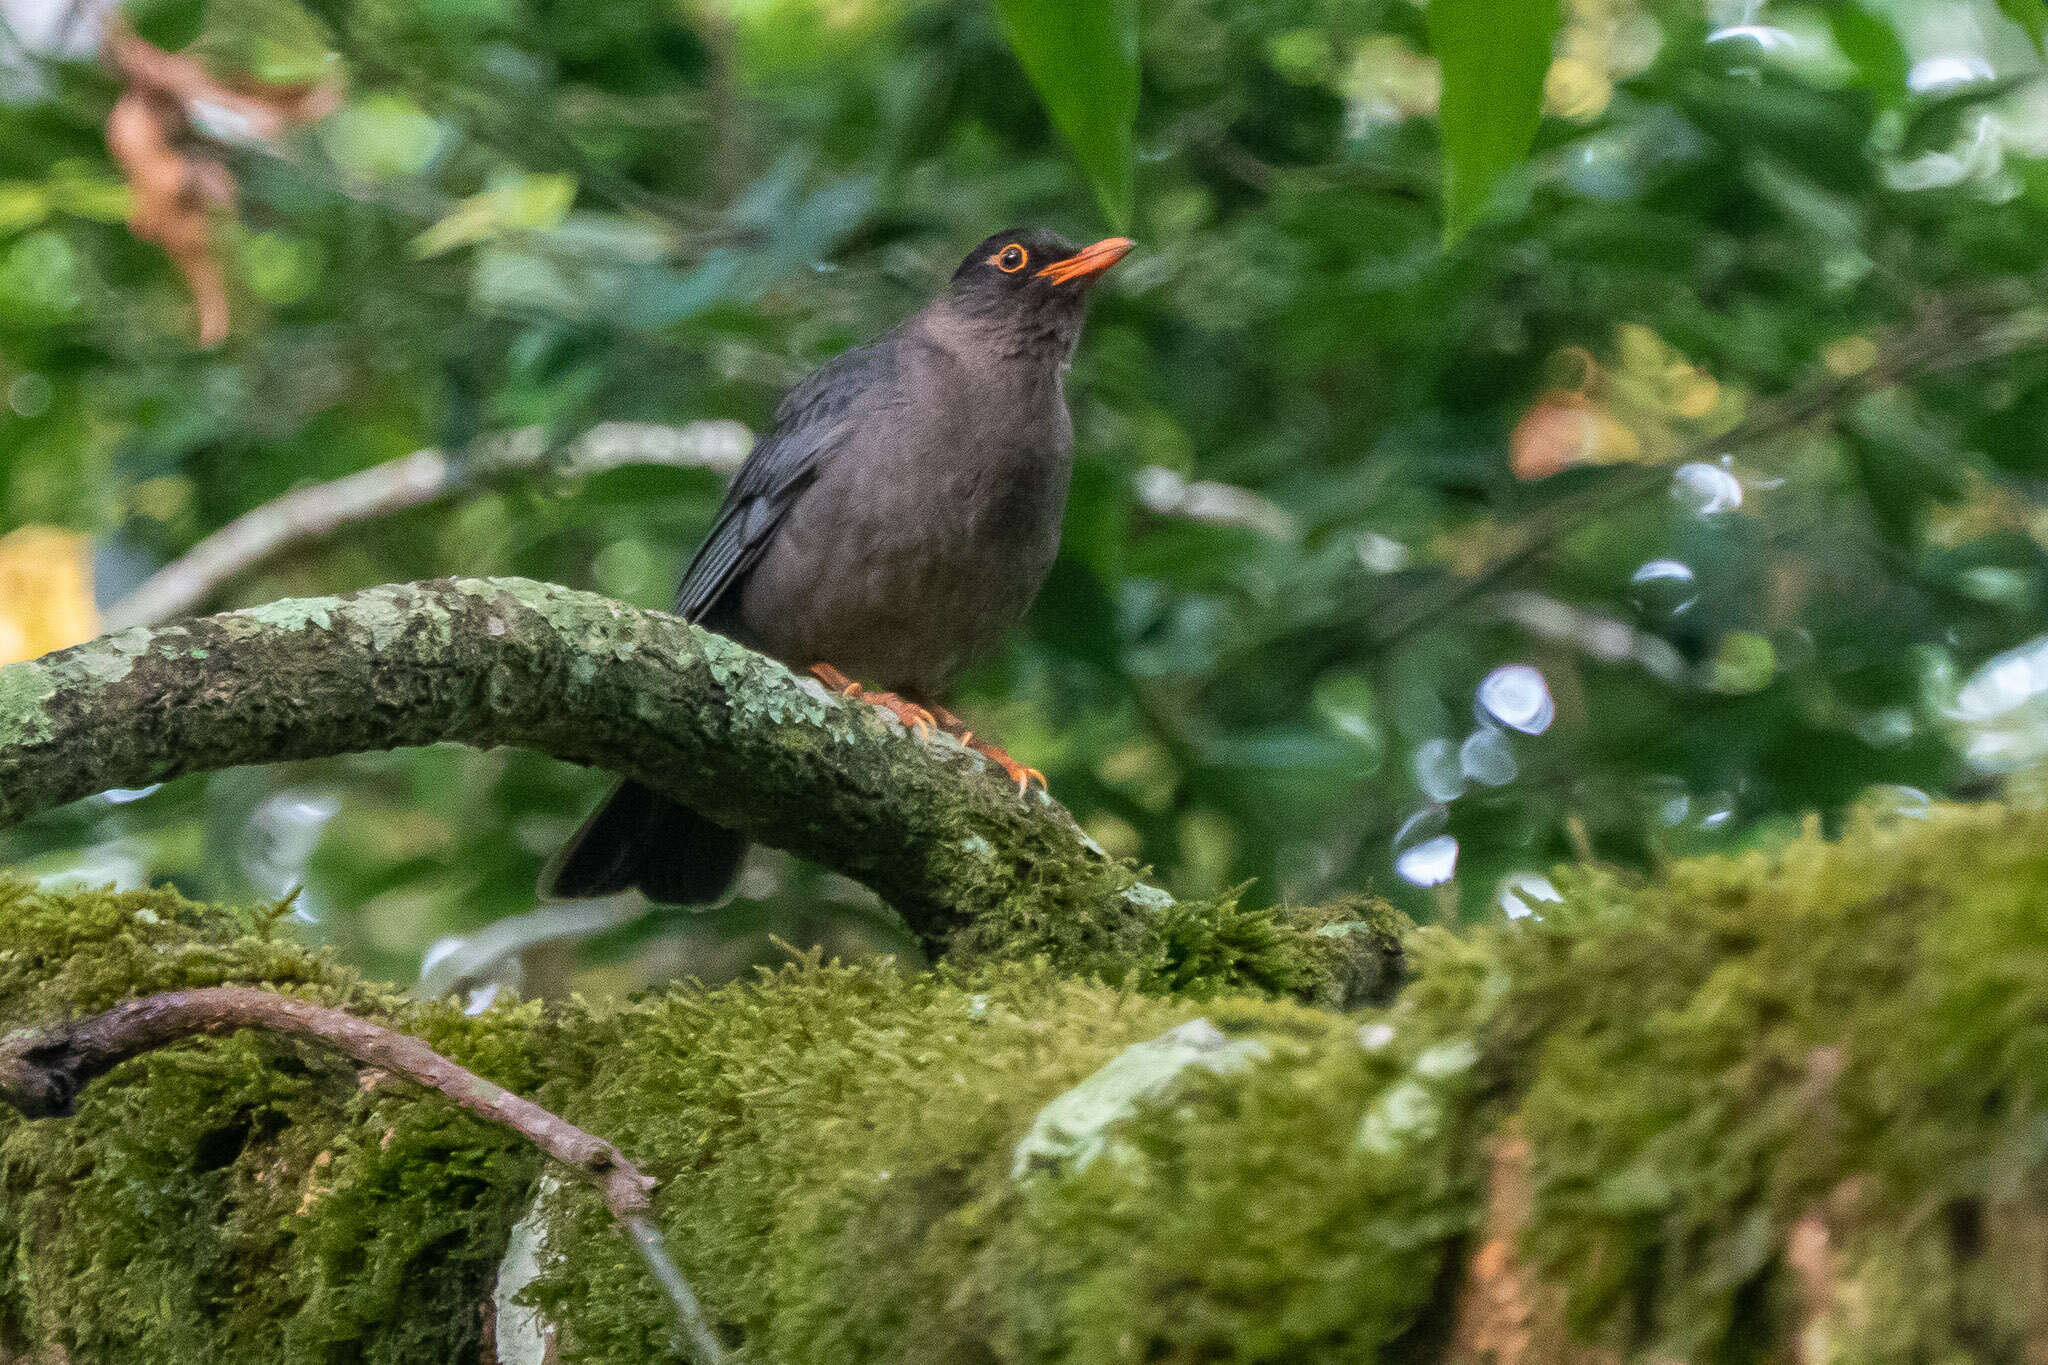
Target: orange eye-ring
{"points": [[1011, 259]]}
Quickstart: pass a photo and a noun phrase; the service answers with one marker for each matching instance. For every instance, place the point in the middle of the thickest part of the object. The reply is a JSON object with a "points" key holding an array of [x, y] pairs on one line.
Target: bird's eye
{"points": [[1012, 259]]}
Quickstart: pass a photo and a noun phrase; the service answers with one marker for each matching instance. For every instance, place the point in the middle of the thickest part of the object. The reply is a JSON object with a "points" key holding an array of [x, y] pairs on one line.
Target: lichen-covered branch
{"points": [[973, 869]]}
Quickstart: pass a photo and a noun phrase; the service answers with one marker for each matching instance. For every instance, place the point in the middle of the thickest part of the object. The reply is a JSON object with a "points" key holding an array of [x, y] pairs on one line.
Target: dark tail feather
{"points": [[639, 838]]}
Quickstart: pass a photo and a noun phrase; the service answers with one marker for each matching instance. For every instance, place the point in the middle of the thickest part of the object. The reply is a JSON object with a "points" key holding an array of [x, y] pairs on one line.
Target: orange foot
{"points": [[995, 753], [915, 717]]}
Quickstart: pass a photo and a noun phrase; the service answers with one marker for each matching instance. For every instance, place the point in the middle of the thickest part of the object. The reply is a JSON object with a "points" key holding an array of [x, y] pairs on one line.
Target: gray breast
{"points": [[929, 528]]}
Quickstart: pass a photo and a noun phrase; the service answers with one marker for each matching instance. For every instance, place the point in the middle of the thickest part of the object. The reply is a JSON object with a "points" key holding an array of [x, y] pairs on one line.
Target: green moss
{"points": [[1837, 1045], [110, 659], [1342, 956], [76, 952], [209, 1201], [837, 1146], [295, 613], [24, 688], [842, 1179], [1854, 1033], [773, 694]]}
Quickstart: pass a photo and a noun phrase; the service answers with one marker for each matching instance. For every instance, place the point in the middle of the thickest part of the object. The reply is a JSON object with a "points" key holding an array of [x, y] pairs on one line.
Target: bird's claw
{"points": [[994, 753], [1016, 771], [914, 717], [918, 720]]}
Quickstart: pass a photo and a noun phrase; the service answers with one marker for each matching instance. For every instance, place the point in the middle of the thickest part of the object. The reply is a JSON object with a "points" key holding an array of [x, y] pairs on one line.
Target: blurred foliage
{"points": [[1544, 581], [1494, 56]]}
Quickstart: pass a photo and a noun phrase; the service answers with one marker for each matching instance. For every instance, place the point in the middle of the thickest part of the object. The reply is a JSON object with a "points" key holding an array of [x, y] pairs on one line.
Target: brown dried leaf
{"points": [[177, 186]]}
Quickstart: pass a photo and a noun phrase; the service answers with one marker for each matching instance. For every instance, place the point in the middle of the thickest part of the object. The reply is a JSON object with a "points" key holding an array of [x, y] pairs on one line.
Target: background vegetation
{"points": [[1631, 500]]}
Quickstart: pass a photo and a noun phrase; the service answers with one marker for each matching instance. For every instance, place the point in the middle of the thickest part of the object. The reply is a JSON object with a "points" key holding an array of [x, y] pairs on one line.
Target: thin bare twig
{"points": [[426, 476], [42, 1072], [1167, 493]]}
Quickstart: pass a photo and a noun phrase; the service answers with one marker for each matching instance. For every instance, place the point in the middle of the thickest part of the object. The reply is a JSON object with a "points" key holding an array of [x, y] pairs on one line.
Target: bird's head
{"points": [[1033, 284]]}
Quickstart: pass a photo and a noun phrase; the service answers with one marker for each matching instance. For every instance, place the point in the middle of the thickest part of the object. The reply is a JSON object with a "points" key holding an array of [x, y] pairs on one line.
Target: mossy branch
{"points": [[42, 1071], [973, 869], [856, 1163], [1784, 1104]]}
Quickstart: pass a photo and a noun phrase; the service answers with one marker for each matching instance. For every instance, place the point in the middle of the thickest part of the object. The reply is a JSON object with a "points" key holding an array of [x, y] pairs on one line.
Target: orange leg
{"points": [[920, 720], [834, 679], [995, 753], [914, 717]]}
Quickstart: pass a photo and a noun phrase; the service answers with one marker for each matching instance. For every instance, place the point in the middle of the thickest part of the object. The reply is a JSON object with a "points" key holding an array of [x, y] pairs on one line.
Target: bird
{"points": [[895, 521]]}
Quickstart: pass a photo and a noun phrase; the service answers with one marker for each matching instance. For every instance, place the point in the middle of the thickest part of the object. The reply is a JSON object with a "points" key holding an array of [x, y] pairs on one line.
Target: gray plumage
{"points": [[896, 520]]}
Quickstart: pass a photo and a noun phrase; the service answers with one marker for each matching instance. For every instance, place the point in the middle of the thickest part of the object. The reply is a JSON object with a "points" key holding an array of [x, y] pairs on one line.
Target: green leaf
{"points": [[1494, 54], [1873, 47], [1744, 663], [170, 24], [1939, 122], [382, 137], [534, 202], [1082, 55], [279, 268], [76, 187], [42, 279], [2031, 15], [469, 222]]}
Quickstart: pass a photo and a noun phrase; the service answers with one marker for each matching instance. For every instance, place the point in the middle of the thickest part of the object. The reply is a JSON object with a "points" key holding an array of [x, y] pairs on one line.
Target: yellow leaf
{"points": [[45, 592], [472, 220], [22, 205], [1849, 356], [1562, 429], [1576, 89], [531, 203], [535, 202], [1694, 396]]}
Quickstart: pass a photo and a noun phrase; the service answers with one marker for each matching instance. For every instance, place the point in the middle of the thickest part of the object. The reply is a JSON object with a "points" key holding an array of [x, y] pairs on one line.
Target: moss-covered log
{"points": [[856, 1164], [974, 869], [1782, 1106]]}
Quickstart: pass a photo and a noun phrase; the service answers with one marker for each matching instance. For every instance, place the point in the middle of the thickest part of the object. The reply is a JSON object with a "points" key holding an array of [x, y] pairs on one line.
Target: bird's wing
{"points": [[812, 421]]}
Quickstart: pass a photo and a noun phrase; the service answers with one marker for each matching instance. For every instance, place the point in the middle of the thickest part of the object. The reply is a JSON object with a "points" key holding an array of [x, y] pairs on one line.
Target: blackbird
{"points": [[899, 516]]}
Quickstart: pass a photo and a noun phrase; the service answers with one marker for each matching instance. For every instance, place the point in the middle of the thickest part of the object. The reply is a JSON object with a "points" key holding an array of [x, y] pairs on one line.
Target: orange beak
{"points": [[1089, 261]]}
